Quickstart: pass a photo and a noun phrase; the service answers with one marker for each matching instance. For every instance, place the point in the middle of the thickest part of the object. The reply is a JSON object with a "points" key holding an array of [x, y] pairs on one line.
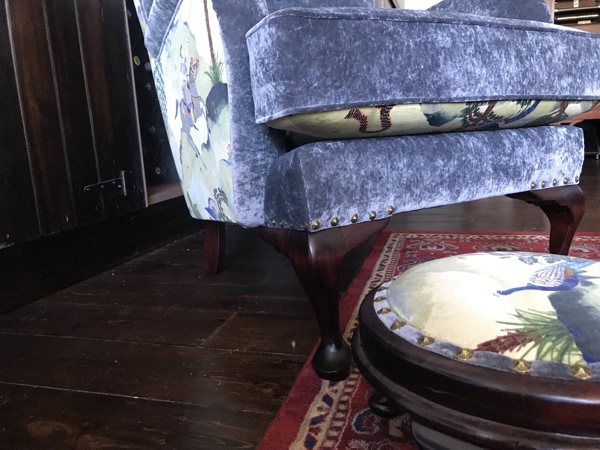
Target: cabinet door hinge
{"points": [[114, 185]]}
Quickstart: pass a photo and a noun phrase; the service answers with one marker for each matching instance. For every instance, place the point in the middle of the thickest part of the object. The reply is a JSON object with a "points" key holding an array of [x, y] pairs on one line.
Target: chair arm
{"points": [[536, 10]]}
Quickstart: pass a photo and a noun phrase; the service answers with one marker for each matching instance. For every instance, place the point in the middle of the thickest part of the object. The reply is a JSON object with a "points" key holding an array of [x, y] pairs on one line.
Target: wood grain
{"points": [[18, 221], [43, 128]]}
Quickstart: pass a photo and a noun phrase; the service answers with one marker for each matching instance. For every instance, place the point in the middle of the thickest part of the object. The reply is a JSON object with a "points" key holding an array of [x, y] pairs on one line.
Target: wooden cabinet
{"points": [[68, 122]]}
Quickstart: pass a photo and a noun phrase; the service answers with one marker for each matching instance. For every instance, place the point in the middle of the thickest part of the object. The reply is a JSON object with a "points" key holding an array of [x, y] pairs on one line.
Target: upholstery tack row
{"points": [[518, 365], [543, 184], [316, 224]]}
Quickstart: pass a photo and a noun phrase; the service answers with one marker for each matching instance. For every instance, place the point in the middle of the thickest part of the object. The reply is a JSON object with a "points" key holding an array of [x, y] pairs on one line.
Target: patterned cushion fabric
{"points": [[514, 311], [397, 120], [306, 60]]}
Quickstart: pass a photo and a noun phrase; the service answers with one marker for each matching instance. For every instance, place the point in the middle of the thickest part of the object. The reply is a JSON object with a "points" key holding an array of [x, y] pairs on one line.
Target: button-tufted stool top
{"points": [[533, 313]]}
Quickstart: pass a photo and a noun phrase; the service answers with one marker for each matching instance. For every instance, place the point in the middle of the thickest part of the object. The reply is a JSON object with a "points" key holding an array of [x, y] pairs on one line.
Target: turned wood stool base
{"points": [[499, 390]]}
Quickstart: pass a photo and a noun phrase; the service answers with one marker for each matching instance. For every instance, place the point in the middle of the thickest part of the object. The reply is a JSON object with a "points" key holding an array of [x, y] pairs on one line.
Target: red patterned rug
{"points": [[326, 415]]}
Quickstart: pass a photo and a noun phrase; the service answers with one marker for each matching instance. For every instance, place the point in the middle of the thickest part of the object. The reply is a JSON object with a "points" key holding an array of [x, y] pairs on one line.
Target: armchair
{"points": [[317, 122]]}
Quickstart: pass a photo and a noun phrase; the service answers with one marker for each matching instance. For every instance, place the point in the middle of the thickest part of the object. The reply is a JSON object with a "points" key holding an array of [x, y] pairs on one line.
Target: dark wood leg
{"points": [[564, 206], [214, 246], [383, 407], [317, 259]]}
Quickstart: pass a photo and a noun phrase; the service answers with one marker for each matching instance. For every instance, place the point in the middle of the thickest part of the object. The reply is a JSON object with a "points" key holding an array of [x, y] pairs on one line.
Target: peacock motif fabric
{"points": [[422, 118], [524, 306]]}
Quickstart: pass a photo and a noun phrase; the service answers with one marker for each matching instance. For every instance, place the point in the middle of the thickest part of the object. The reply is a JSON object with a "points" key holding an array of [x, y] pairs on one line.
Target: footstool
{"points": [[489, 350]]}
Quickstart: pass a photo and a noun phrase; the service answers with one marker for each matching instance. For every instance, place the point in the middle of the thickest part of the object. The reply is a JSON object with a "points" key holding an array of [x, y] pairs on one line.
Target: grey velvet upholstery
{"points": [[510, 9], [330, 180], [305, 60]]}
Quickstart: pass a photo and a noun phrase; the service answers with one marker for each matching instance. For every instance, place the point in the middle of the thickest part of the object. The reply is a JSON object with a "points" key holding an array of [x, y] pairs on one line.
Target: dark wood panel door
{"points": [[72, 91], [69, 121], [18, 215], [40, 109], [108, 69]]}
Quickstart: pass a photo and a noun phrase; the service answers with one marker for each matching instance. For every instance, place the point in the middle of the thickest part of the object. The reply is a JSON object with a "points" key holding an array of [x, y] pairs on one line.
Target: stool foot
{"points": [[384, 407]]}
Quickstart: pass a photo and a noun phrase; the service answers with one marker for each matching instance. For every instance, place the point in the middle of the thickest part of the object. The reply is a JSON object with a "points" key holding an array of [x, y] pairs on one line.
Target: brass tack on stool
{"points": [[464, 354], [581, 372], [397, 326], [426, 340], [521, 366]]}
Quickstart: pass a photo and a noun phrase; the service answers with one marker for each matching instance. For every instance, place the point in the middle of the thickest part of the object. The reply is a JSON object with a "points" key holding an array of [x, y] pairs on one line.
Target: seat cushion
{"points": [[395, 120], [531, 313], [306, 60], [334, 183]]}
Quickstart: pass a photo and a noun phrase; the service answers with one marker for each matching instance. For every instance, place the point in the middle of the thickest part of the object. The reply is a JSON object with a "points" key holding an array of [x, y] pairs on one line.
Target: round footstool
{"points": [[489, 350]]}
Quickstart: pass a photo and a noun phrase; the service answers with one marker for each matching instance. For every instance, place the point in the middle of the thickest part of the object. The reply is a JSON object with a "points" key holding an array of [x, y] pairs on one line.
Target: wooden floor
{"points": [[157, 354]]}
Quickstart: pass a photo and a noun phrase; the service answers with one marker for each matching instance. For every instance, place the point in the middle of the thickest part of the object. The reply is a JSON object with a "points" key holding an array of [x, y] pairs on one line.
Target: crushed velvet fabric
{"points": [[276, 5], [359, 176], [305, 60], [510, 9], [337, 179]]}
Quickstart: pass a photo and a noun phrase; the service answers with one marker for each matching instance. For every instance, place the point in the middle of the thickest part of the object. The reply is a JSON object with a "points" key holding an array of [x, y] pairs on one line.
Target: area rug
{"points": [[335, 415]]}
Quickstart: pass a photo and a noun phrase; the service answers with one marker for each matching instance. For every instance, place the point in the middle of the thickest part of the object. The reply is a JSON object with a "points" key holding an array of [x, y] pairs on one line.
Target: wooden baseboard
{"points": [[38, 268]]}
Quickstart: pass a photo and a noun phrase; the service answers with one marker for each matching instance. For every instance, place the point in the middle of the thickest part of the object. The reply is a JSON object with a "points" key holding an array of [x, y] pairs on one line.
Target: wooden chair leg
{"points": [[317, 259], [214, 246], [564, 206]]}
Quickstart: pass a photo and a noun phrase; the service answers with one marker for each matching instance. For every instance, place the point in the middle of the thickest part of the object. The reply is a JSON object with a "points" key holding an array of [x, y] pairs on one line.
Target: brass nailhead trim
{"points": [[282, 224], [520, 366], [543, 184], [426, 340], [581, 372], [292, 227], [532, 185], [554, 182], [274, 222], [565, 180], [577, 179], [380, 299], [315, 224], [354, 218], [381, 288], [397, 326], [372, 215], [465, 354], [305, 226], [383, 311], [335, 221], [390, 210]]}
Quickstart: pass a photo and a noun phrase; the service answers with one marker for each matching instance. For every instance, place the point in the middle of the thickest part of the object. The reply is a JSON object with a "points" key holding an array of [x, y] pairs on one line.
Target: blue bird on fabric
{"points": [[576, 309], [559, 277]]}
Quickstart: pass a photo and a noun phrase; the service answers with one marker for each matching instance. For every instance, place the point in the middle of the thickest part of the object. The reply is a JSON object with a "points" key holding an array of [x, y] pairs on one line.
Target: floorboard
{"points": [[156, 354]]}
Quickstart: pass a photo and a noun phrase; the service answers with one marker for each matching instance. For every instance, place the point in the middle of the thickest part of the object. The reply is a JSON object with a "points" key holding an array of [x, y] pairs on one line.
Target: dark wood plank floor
{"points": [[157, 354]]}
